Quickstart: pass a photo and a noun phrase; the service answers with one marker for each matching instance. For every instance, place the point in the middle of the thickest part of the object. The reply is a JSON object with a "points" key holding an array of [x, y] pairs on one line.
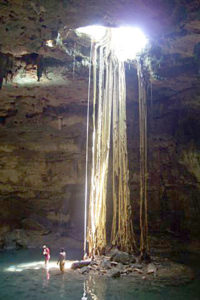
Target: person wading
{"points": [[46, 253], [61, 260]]}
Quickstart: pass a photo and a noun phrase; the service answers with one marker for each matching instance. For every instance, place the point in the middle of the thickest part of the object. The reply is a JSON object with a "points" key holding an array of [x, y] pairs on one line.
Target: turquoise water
{"points": [[23, 276]]}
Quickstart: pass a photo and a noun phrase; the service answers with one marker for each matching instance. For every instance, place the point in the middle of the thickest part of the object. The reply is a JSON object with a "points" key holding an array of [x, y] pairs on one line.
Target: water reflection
{"points": [[62, 287], [46, 277], [93, 289], [84, 291]]}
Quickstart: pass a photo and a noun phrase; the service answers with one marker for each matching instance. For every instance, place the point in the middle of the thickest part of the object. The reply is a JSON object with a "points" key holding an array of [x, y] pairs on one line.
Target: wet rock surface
{"points": [[160, 270], [122, 257]]}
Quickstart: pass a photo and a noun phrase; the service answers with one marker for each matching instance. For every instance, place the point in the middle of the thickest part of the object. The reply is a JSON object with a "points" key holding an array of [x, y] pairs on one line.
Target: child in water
{"points": [[46, 253], [61, 260]]}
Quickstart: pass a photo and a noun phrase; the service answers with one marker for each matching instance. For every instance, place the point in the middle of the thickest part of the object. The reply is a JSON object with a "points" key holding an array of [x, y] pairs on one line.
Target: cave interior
{"points": [[44, 67]]}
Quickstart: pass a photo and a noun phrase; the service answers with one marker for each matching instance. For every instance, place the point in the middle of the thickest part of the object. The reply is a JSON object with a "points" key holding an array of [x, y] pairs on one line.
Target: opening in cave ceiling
{"points": [[126, 42]]}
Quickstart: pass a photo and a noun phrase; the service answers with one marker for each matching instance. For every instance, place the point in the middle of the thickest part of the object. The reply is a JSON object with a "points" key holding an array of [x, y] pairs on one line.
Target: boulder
{"points": [[123, 257], [116, 274], [105, 264], [151, 268], [138, 266], [120, 266], [84, 270], [80, 264]]}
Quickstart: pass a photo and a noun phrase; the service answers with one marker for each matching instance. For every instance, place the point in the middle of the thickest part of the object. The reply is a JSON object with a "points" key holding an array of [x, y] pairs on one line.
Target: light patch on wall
{"points": [[49, 43], [25, 80]]}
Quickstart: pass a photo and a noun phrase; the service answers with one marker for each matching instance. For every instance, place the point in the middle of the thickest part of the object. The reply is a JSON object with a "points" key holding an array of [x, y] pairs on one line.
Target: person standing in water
{"points": [[46, 253], [61, 260]]}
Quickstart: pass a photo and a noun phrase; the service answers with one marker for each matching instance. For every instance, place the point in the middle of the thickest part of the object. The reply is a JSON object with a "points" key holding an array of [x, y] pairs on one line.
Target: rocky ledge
{"points": [[120, 264]]}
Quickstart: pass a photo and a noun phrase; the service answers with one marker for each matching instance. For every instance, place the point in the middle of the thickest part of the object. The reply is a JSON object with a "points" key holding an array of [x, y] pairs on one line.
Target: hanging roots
{"points": [[144, 246], [109, 113]]}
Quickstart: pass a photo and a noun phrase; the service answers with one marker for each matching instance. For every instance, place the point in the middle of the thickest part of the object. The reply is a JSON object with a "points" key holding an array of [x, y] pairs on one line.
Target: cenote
{"points": [[23, 276], [99, 149]]}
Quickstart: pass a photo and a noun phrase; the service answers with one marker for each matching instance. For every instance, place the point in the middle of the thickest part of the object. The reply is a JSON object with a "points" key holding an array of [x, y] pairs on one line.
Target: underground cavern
{"points": [[100, 150]]}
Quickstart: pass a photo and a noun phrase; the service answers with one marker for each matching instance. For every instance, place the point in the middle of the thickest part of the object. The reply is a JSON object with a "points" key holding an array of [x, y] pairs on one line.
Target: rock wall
{"points": [[42, 152], [43, 96], [174, 165]]}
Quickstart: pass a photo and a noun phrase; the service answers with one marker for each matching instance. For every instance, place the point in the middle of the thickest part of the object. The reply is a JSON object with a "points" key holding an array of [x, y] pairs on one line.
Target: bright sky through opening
{"points": [[127, 42]]}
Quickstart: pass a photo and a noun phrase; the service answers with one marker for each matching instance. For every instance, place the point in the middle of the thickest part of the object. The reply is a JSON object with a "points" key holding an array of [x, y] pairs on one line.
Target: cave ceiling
{"points": [[34, 67]]}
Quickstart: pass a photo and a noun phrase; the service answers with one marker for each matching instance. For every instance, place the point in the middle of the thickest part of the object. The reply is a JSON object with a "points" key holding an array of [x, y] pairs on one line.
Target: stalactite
{"points": [[6, 68], [144, 245], [40, 66]]}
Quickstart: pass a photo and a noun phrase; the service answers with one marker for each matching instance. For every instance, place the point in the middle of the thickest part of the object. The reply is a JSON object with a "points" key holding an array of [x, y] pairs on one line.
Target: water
{"points": [[22, 276]]}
